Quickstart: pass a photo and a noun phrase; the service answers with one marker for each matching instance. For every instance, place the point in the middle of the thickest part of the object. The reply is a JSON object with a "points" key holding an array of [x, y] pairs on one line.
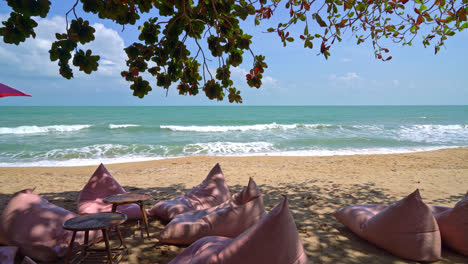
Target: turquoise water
{"points": [[69, 136]]}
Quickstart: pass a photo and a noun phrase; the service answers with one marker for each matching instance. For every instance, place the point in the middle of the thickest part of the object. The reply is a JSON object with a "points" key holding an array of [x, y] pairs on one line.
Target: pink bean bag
{"points": [[453, 224], [273, 240], [407, 228], [228, 219], [211, 192], [8, 254], [100, 186], [35, 226]]}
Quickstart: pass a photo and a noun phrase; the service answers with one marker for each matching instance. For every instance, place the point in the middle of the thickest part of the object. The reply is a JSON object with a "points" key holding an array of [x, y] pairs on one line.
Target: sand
{"points": [[316, 187]]}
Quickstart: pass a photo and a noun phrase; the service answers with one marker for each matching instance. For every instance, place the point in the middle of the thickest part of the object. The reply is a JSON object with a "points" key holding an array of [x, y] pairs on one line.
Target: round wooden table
{"points": [[129, 198], [97, 221]]}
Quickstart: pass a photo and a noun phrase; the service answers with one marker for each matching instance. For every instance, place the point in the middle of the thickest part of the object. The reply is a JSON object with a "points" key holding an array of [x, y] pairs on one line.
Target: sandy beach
{"points": [[316, 187]]}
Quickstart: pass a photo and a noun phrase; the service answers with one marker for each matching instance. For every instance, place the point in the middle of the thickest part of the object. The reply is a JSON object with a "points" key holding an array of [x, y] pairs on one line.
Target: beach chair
{"points": [[211, 192], [406, 229], [453, 224], [228, 219], [102, 185], [34, 225], [273, 240]]}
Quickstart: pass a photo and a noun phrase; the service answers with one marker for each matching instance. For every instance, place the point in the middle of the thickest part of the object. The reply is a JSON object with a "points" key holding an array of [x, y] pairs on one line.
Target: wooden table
{"points": [[129, 198], [97, 221]]}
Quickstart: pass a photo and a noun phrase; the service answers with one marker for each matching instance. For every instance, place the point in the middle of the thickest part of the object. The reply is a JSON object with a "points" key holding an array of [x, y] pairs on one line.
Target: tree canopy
{"points": [[162, 48]]}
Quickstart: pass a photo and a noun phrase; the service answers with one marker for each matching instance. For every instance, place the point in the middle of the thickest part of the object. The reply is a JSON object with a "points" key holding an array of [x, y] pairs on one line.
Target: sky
{"points": [[295, 76]]}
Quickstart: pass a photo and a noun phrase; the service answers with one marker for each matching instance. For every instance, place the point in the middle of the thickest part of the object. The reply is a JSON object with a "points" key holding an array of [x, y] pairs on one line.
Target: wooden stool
{"points": [[98, 221], [129, 198]]}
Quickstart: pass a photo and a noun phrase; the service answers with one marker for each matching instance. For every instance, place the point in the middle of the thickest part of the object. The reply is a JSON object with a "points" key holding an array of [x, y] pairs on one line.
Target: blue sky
{"points": [[296, 76]]}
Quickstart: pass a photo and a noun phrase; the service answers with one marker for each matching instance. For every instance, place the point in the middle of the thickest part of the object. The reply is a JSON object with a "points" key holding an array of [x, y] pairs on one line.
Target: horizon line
{"points": [[237, 105]]}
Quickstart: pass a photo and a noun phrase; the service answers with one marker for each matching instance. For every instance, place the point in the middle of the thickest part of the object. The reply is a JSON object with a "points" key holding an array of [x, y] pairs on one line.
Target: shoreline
{"points": [[316, 187], [292, 153]]}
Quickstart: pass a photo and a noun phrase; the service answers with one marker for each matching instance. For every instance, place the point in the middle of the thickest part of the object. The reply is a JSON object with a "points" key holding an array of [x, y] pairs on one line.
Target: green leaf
{"points": [[320, 20], [463, 26]]}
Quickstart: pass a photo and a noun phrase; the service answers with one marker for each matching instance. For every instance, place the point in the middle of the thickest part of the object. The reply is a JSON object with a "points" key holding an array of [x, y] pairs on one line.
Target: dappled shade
{"points": [[211, 192], [273, 240], [228, 219], [407, 228], [453, 224], [35, 226], [101, 185]]}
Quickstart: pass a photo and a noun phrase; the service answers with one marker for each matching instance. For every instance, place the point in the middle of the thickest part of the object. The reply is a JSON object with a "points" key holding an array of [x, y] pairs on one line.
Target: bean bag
{"points": [[228, 219], [211, 192], [407, 228], [101, 185], [35, 226], [273, 240], [453, 224], [8, 254]]}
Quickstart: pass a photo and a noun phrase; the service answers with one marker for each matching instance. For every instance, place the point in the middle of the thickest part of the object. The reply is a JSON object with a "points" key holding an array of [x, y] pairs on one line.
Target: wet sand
{"points": [[316, 187]]}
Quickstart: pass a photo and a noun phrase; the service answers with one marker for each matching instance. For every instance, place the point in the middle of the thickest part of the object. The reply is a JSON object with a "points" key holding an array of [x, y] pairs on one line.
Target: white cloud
{"points": [[350, 76], [32, 56], [350, 80], [239, 73], [345, 59], [396, 82], [109, 45], [268, 80]]}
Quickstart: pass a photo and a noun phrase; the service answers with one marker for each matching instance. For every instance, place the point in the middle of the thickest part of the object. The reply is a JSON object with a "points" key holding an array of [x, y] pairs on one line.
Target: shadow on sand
{"points": [[312, 204]]}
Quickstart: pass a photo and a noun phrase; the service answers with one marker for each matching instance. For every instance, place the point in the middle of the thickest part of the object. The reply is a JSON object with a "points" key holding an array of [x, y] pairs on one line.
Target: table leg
{"points": [[86, 240], [70, 247], [143, 215], [114, 208], [122, 243], [106, 241]]}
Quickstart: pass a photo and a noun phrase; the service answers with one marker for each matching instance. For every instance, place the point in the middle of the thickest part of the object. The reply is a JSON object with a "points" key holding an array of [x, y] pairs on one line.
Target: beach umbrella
{"points": [[6, 90]]}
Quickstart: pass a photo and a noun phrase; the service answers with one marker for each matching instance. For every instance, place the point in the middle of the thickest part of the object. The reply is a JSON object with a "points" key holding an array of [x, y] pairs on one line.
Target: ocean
{"points": [[75, 136]]}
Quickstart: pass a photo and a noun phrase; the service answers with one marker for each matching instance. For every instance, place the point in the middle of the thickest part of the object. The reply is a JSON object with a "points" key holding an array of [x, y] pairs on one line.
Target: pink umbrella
{"points": [[6, 90]]}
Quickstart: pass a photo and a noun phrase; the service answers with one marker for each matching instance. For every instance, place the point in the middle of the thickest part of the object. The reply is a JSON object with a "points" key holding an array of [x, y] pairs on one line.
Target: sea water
{"points": [[74, 136]]}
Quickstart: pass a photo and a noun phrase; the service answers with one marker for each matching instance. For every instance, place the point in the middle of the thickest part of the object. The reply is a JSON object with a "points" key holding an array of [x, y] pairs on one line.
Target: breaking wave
{"points": [[42, 129], [257, 127], [112, 126]]}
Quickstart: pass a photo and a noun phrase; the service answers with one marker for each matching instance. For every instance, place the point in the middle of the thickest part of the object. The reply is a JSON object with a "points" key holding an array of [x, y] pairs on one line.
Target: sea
{"points": [[76, 136]]}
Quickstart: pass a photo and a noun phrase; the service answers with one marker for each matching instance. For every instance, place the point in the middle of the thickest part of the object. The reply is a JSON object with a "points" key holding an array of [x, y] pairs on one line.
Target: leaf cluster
{"points": [[376, 20], [161, 50], [20, 25]]}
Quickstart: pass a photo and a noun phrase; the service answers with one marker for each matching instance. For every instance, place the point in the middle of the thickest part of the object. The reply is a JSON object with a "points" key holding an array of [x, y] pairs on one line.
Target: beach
{"points": [[315, 186]]}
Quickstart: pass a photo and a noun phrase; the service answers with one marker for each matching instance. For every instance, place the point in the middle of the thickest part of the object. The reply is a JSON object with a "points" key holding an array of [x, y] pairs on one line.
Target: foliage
{"points": [[162, 51]]}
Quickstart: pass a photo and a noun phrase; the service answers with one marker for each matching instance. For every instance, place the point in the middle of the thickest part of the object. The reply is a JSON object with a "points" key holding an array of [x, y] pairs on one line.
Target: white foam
{"points": [[227, 148], [112, 126], [434, 133], [350, 151], [89, 155], [43, 129], [242, 128], [79, 162], [303, 153]]}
